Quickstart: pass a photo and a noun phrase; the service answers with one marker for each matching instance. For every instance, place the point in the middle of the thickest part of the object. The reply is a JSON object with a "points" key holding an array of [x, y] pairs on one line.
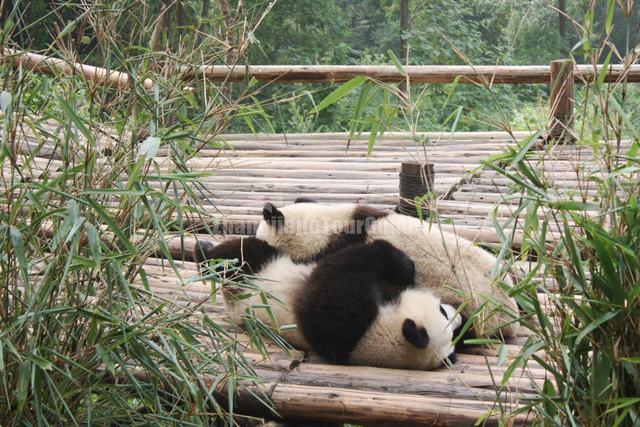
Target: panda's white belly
{"points": [[279, 281]]}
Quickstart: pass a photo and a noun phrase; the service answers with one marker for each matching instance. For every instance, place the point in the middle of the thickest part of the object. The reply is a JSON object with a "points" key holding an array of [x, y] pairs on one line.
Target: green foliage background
{"points": [[364, 32]]}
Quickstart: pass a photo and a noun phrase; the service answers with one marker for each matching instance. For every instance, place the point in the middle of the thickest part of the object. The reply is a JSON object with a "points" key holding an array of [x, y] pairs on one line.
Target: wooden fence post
{"points": [[561, 101]]}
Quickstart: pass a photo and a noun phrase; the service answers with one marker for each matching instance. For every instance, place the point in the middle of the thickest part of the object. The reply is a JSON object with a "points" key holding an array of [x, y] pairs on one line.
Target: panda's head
{"points": [[414, 332], [304, 229]]}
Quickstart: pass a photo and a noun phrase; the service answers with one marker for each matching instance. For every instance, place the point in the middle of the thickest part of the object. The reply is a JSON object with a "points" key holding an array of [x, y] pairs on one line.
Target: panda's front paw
{"points": [[396, 267], [404, 271]]}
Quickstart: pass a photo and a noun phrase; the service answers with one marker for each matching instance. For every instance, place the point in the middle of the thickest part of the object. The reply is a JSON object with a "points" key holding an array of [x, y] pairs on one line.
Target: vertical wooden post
{"points": [[416, 180], [561, 101]]}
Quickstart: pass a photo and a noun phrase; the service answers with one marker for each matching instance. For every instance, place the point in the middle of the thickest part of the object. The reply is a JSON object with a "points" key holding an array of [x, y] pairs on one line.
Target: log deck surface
{"points": [[280, 168], [249, 170]]}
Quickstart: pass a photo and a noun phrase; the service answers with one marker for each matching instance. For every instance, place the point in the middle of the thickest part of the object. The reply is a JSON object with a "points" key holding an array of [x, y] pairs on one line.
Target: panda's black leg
{"points": [[392, 264], [379, 258]]}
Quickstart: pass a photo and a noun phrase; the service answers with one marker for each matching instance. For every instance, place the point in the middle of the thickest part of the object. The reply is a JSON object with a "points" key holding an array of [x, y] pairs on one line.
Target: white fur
{"points": [[308, 227], [384, 344], [452, 267], [279, 280]]}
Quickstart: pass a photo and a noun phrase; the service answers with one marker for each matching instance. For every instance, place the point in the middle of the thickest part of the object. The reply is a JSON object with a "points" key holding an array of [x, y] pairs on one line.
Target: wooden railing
{"points": [[560, 75]]}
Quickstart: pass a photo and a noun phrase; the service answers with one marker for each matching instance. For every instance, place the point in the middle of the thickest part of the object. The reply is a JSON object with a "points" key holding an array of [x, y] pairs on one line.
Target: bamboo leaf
{"points": [[396, 62], [76, 120], [18, 249], [339, 93], [23, 384], [593, 325], [112, 226], [604, 70], [452, 89], [609, 18], [373, 133], [570, 205], [5, 101], [94, 241]]}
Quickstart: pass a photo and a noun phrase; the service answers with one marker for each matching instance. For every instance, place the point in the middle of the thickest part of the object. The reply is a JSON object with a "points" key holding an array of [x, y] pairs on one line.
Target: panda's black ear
{"points": [[417, 336], [272, 215], [304, 200]]}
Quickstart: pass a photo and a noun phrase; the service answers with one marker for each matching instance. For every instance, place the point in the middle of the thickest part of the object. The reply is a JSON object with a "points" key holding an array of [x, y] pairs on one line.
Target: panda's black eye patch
{"points": [[444, 312]]}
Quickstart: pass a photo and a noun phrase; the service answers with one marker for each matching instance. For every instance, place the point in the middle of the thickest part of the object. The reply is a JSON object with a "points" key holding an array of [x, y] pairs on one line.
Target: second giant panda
{"points": [[356, 306], [456, 270]]}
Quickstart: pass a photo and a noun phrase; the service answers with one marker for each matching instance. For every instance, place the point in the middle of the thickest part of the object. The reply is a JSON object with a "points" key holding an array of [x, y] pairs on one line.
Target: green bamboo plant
{"points": [[584, 332], [95, 190]]}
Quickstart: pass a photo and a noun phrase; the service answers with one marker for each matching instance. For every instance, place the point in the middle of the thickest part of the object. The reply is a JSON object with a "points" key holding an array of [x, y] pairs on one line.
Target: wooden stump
{"points": [[416, 180]]}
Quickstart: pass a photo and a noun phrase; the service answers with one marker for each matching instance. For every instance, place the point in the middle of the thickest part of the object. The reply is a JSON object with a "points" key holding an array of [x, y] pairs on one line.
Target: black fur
{"points": [[344, 293], [273, 216], [444, 312], [355, 232], [201, 251], [251, 253], [417, 336], [304, 200]]}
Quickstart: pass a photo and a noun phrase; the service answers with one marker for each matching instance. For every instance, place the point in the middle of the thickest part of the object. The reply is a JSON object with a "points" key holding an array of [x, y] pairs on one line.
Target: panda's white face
{"points": [[384, 344], [302, 230]]}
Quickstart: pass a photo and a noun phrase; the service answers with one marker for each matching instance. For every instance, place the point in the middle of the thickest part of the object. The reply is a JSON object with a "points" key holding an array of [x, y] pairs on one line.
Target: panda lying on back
{"points": [[452, 267], [355, 306]]}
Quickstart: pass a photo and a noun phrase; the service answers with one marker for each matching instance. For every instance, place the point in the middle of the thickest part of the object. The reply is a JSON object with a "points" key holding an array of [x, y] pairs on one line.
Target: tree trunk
{"points": [[405, 27], [204, 15], [562, 24]]}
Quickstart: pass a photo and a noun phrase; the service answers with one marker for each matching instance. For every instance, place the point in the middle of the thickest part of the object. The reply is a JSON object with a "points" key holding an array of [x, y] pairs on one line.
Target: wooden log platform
{"points": [[249, 170]]}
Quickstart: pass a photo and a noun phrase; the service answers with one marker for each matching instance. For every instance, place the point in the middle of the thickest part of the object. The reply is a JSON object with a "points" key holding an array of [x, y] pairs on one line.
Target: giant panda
{"points": [[456, 270], [356, 306]]}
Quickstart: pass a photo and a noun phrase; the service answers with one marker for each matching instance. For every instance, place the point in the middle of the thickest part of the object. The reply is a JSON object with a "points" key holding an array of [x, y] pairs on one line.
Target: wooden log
{"points": [[439, 137], [49, 65], [343, 405], [478, 74], [561, 100]]}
